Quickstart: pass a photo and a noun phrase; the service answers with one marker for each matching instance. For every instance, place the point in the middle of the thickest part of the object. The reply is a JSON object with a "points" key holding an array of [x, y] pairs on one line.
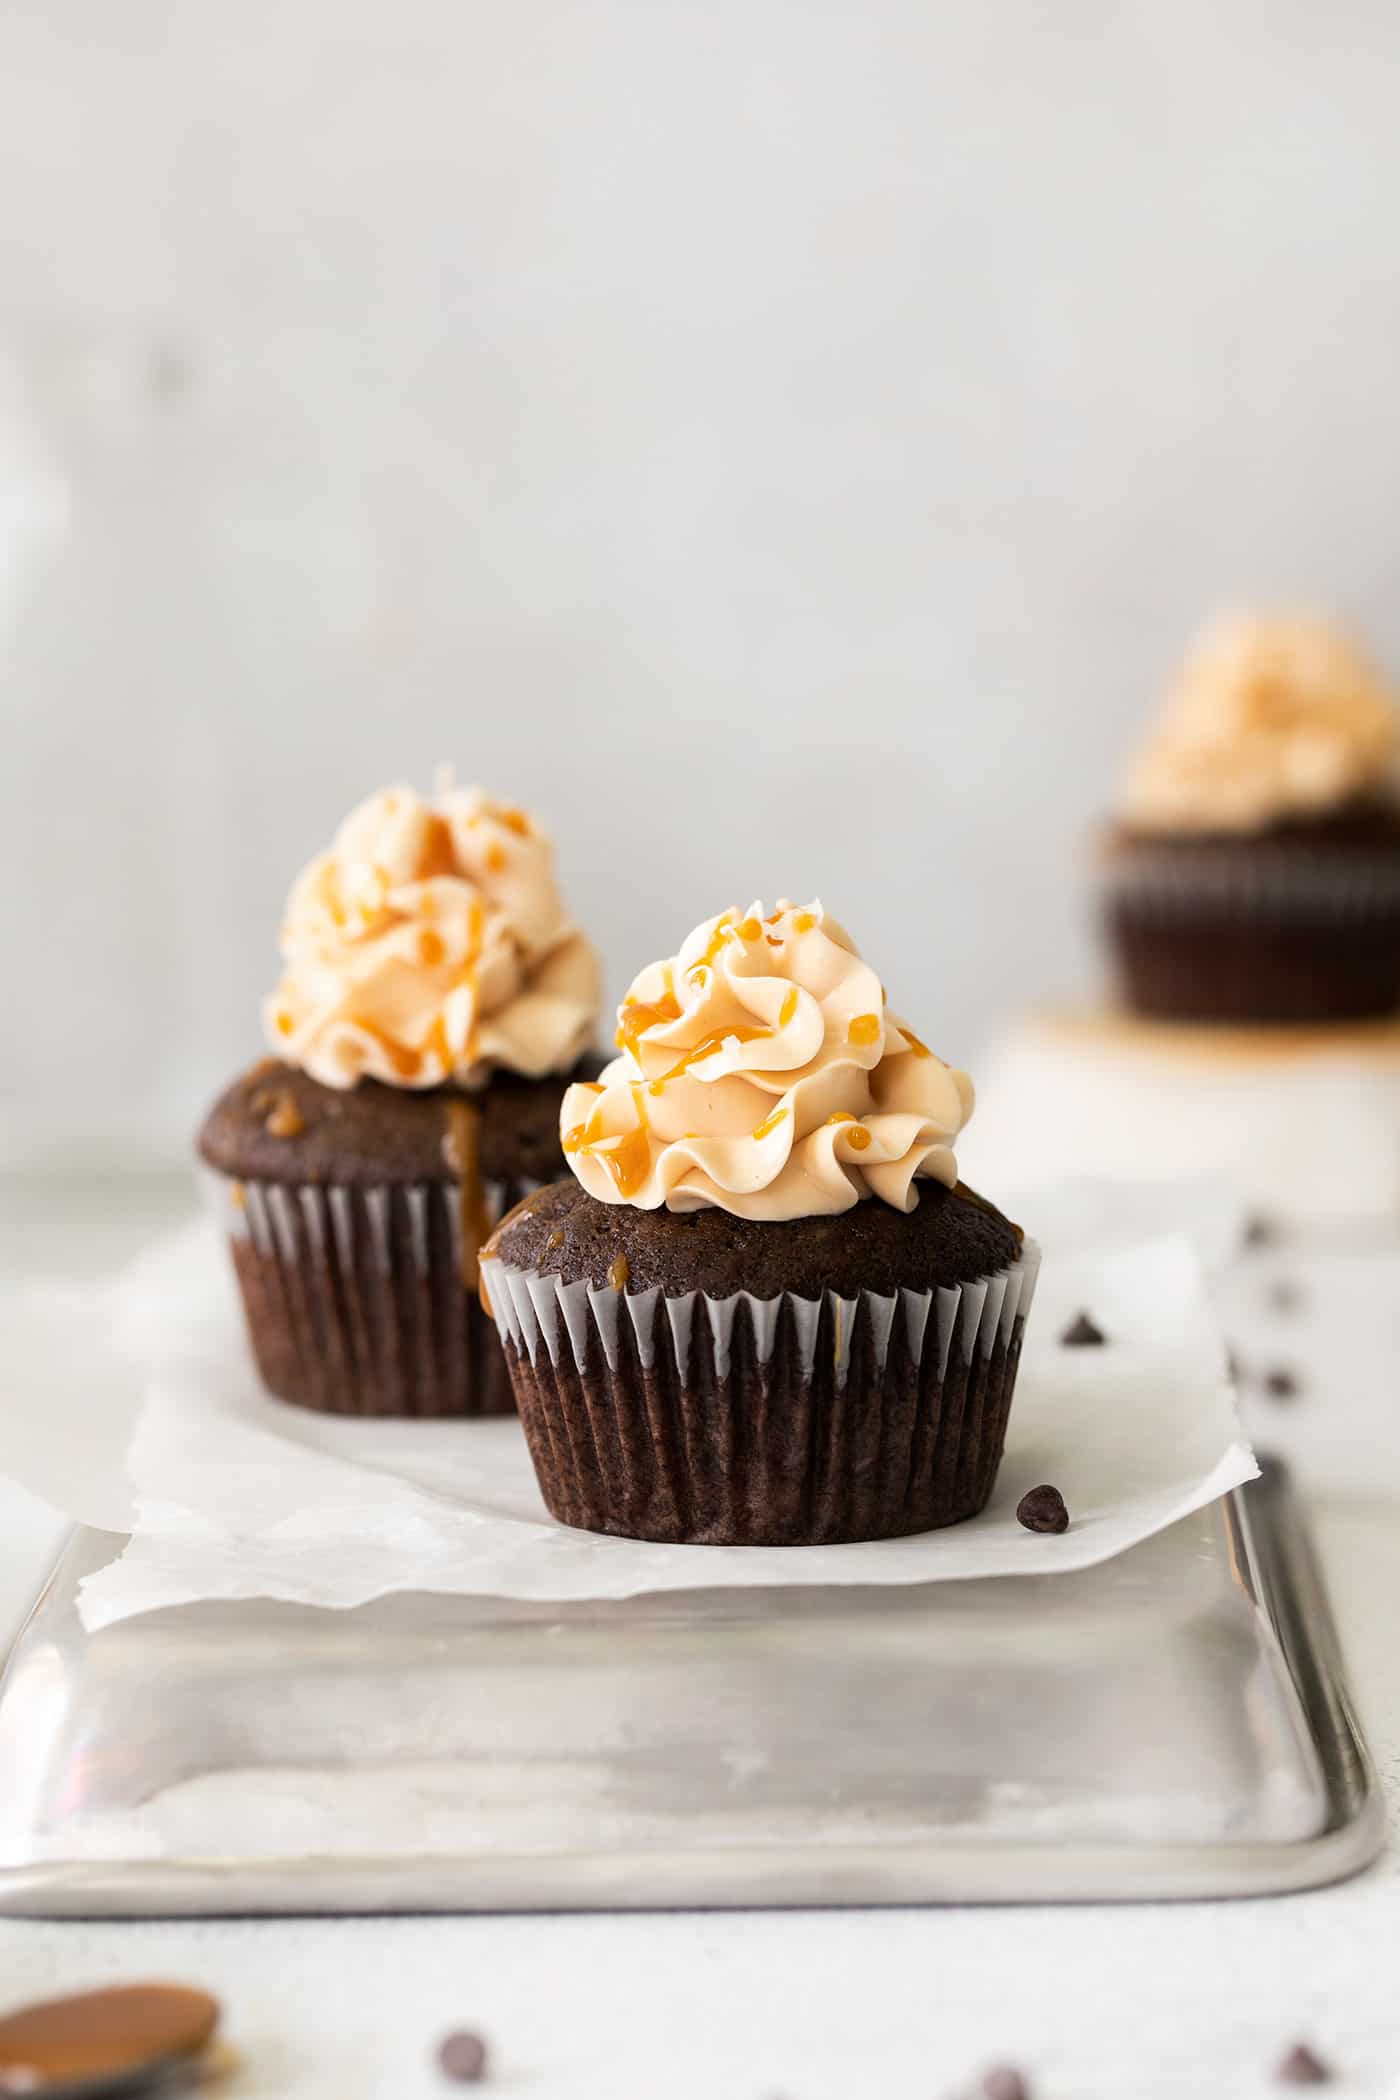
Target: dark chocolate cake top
{"points": [[951, 1237], [278, 1124]]}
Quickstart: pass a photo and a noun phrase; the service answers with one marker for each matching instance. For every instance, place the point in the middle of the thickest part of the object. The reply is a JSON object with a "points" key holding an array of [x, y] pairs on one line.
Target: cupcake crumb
{"points": [[284, 1118], [1043, 1509], [1083, 1334]]}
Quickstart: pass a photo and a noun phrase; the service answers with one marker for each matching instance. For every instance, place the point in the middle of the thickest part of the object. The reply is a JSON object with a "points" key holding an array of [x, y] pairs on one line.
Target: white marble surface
{"points": [[855, 2005]]}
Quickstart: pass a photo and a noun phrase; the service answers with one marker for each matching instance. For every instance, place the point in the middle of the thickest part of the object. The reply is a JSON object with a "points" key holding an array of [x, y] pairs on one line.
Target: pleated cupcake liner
{"points": [[1290, 881], [354, 1298], [763, 1421], [1273, 934]]}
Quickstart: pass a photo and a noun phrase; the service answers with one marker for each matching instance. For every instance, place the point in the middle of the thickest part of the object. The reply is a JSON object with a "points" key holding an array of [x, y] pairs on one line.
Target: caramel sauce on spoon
{"points": [[103, 2041]]}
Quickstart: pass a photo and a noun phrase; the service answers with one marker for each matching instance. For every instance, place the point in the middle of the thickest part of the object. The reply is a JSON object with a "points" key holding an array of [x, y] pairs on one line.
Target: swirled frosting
{"points": [[430, 944], [762, 1074], [1271, 717]]}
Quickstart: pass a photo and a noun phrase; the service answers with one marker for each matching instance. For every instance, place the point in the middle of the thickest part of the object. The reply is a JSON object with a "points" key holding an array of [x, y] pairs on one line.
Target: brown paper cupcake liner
{"points": [[355, 1299], [751, 1421], [1289, 880], [1274, 934]]}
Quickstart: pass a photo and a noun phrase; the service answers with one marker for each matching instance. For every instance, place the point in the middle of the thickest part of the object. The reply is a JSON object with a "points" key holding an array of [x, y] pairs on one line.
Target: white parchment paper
{"points": [[236, 1496]]}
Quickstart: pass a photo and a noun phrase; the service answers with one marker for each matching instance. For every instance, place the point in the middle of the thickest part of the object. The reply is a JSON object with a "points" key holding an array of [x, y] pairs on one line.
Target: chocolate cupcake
{"points": [[1254, 872], [436, 1003], [765, 1312]]}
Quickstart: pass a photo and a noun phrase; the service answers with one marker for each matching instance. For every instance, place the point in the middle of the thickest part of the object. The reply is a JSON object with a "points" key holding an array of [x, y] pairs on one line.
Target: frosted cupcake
{"points": [[764, 1311], [436, 1002], [1254, 871]]}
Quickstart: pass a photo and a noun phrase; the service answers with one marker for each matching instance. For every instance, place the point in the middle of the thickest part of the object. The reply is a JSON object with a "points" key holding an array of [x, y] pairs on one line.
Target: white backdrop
{"points": [[781, 442]]}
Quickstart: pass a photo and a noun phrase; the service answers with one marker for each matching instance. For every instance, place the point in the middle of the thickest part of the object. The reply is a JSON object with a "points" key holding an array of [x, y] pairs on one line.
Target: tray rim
{"points": [[1276, 1558]]}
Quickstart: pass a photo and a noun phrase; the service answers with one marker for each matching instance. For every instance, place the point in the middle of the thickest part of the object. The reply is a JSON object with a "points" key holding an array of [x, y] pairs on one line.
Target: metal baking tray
{"points": [[1175, 1723]]}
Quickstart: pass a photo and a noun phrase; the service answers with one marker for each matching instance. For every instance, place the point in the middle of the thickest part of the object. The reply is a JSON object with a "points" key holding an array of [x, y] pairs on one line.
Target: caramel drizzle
{"points": [[626, 1156], [462, 1149]]}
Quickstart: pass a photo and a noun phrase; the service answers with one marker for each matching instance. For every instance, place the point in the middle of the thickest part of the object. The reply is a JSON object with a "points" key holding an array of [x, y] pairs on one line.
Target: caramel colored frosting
{"points": [[1271, 718], [430, 944], [761, 1074]]}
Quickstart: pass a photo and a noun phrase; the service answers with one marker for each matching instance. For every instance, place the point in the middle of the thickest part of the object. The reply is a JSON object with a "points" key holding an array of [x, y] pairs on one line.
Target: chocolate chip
{"points": [[1260, 1231], [1005, 2082], [1302, 2066], [1043, 1509], [1081, 1333], [462, 2056], [1281, 1385]]}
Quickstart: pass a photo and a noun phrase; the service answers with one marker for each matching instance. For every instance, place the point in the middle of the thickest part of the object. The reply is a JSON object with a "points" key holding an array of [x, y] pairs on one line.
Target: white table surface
{"points": [[1169, 2000]]}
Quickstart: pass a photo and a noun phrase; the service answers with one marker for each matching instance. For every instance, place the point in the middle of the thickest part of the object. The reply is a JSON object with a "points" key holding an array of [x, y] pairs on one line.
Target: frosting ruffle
{"points": [[430, 944], [1270, 718], [762, 1074]]}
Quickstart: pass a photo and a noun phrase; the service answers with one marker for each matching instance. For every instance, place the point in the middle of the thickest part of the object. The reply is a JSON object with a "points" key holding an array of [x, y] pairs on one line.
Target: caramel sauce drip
{"points": [[285, 1022], [627, 1158], [804, 921], [770, 1123], [859, 1139], [750, 929], [555, 1240], [285, 1119], [919, 1049], [618, 1273], [438, 856], [723, 931], [513, 819], [711, 1043], [103, 2035], [864, 1029], [788, 1008], [637, 1015], [406, 1062], [431, 948], [461, 1148], [238, 1195]]}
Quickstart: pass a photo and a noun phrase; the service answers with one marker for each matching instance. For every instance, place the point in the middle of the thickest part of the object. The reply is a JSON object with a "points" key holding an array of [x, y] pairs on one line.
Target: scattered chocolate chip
{"points": [[1005, 2082], [1302, 2066], [1043, 1509], [462, 2056], [1281, 1385], [1260, 1231], [1285, 1296], [1081, 1333]]}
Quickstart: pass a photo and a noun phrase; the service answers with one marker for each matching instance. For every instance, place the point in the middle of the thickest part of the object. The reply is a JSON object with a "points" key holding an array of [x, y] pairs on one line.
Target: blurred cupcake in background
{"points": [[1253, 873], [765, 1311], [436, 1002]]}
